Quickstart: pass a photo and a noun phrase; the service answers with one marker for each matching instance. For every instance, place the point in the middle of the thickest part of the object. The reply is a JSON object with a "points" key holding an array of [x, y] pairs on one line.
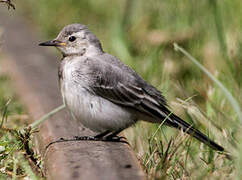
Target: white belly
{"points": [[95, 112]]}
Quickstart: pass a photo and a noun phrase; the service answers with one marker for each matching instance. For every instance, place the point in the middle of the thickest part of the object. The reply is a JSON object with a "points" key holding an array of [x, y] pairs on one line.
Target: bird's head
{"points": [[76, 39]]}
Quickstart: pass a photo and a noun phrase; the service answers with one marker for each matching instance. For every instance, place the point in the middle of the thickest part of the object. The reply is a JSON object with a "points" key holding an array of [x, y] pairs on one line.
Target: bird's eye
{"points": [[72, 38]]}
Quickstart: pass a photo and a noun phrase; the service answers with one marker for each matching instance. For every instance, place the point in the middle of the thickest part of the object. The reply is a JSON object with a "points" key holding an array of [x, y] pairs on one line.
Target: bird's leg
{"points": [[113, 136], [101, 135], [104, 136], [84, 138], [98, 137]]}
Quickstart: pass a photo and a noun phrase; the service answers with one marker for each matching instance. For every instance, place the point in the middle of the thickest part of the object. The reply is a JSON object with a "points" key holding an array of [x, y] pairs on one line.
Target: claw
{"points": [[85, 138], [110, 138], [114, 138]]}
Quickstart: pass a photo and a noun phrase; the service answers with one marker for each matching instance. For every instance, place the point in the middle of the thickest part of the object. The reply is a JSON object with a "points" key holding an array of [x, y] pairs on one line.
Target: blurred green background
{"points": [[141, 33]]}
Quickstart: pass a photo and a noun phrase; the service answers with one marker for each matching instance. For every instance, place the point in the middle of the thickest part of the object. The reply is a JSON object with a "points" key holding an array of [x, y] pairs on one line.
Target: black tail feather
{"points": [[180, 124]]}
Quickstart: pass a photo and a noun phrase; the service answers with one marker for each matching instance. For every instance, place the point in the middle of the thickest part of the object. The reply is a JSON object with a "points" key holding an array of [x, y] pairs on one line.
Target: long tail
{"points": [[177, 122]]}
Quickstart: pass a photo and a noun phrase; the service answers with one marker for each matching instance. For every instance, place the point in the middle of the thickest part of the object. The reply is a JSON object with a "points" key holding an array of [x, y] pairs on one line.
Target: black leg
{"points": [[98, 137], [104, 136], [101, 135], [113, 136], [84, 138]]}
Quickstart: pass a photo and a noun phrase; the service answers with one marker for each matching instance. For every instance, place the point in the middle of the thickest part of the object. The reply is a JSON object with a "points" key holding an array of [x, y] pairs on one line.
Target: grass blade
{"points": [[226, 92]]}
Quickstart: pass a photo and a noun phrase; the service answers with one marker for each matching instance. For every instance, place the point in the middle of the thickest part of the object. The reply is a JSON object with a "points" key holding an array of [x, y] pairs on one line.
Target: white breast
{"points": [[94, 112]]}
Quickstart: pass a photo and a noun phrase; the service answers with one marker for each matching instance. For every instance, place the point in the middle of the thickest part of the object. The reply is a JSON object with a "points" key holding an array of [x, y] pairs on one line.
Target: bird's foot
{"points": [[95, 138], [86, 138], [110, 138], [75, 138], [114, 138]]}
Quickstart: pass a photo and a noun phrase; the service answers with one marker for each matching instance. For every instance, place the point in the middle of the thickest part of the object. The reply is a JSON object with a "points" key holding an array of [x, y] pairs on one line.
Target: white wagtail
{"points": [[106, 95]]}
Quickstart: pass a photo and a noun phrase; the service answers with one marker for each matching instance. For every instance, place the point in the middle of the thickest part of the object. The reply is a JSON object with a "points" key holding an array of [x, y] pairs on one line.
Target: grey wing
{"points": [[124, 87], [133, 97], [119, 84]]}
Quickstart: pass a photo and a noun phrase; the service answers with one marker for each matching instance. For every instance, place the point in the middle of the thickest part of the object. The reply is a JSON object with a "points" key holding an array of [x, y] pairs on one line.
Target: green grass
{"points": [[141, 34], [17, 158]]}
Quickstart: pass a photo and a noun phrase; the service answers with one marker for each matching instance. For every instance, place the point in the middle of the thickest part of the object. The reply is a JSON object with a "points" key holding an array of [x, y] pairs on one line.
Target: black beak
{"points": [[53, 43]]}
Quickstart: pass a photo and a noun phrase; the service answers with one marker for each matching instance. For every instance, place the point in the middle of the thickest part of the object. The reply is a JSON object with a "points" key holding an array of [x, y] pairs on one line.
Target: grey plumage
{"points": [[104, 94]]}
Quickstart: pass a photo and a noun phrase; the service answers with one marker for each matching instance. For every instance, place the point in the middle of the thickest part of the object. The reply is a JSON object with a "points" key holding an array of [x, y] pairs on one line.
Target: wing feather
{"points": [[134, 97]]}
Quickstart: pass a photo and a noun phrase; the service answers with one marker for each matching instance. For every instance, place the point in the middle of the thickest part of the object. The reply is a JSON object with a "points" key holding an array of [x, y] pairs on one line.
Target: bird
{"points": [[106, 95]]}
